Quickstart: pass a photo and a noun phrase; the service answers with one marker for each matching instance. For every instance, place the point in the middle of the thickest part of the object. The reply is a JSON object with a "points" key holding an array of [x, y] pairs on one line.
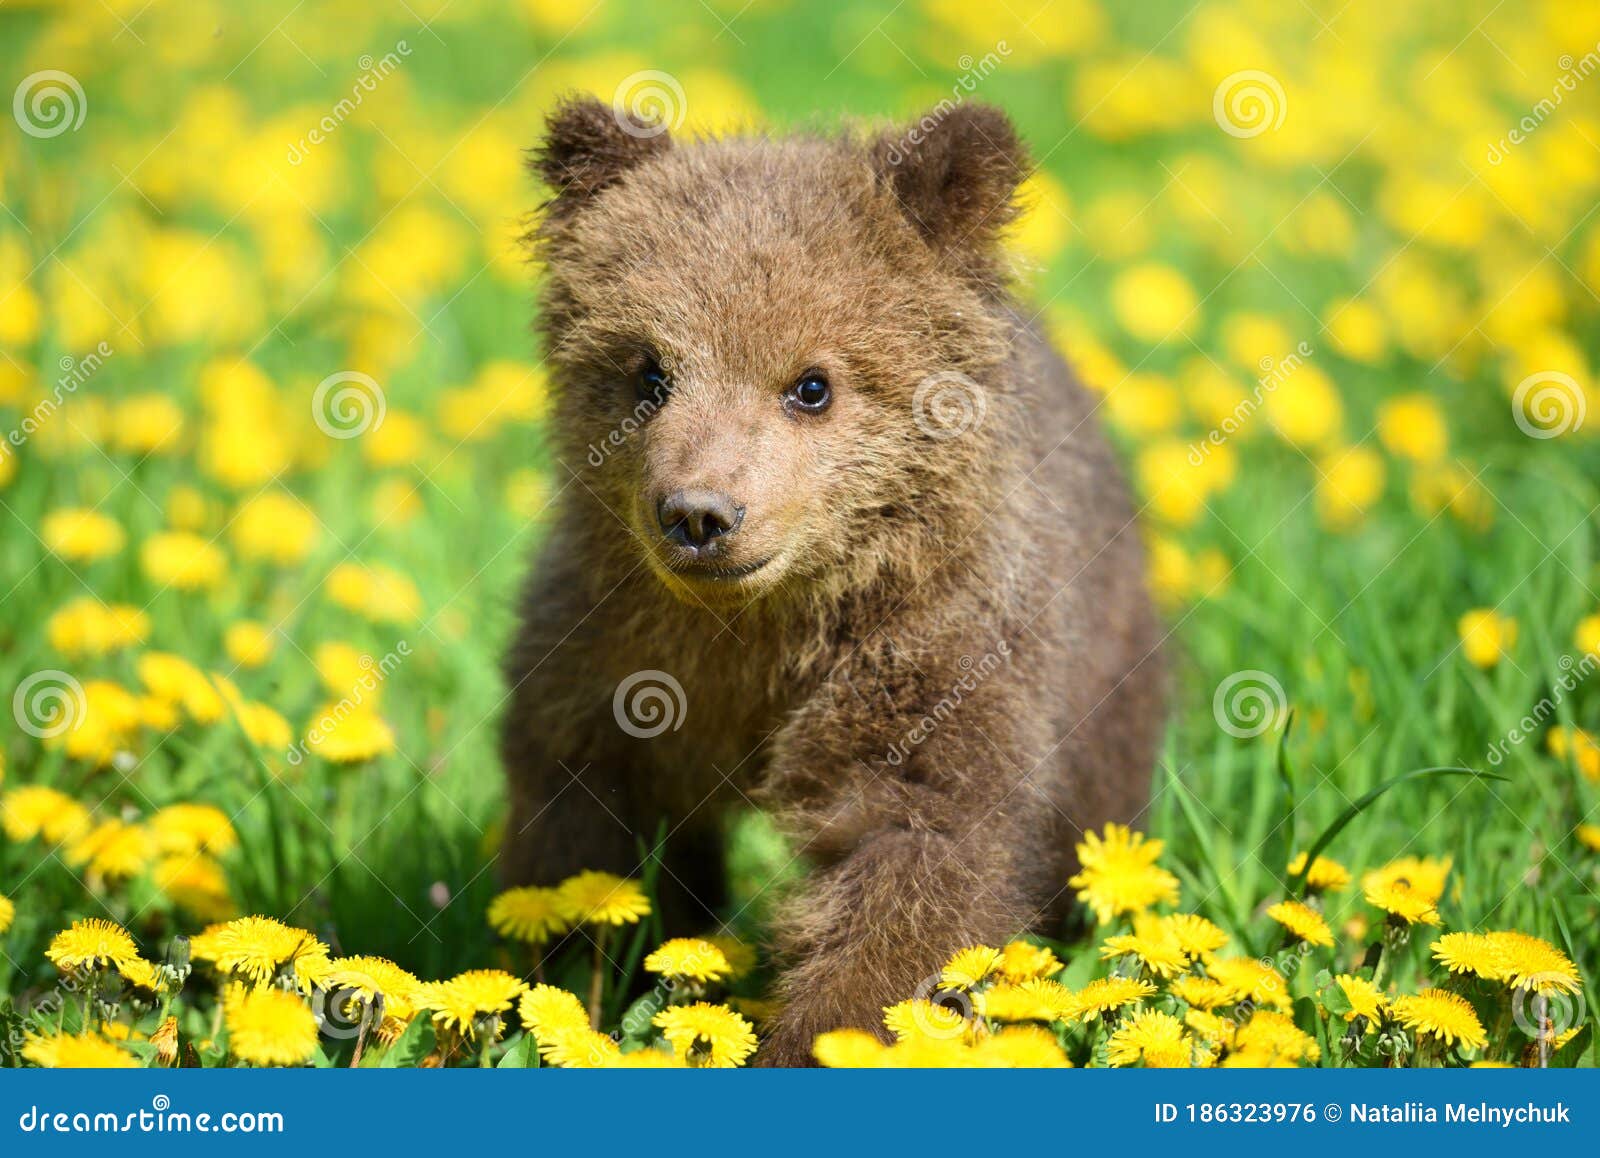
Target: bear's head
{"points": [[773, 359]]}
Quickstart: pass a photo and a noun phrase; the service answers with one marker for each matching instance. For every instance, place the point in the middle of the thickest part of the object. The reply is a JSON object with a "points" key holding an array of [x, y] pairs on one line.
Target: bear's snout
{"points": [[697, 518]]}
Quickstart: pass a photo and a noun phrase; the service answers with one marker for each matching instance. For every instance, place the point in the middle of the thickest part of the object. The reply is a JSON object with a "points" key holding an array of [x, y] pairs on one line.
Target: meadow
{"points": [[271, 468]]}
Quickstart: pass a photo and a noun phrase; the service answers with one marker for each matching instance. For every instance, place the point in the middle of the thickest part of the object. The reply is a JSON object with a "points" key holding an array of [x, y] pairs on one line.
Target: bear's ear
{"points": [[588, 146], [955, 172]]}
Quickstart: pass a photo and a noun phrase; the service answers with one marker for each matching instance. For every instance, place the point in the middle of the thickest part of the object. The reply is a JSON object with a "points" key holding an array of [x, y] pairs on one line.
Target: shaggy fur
{"points": [[946, 670]]}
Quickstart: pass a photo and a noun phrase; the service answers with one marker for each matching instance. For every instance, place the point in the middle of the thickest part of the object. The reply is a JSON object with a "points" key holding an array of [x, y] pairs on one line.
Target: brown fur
{"points": [[990, 584]]}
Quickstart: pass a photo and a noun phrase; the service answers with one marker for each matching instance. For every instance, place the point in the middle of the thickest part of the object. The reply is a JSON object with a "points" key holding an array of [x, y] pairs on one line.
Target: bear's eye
{"points": [[812, 392], [652, 382]]}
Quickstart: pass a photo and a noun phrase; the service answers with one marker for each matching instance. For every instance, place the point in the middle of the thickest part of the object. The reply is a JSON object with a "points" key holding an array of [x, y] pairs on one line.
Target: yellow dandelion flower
{"points": [[183, 560], [851, 1049], [1024, 961], [929, 1053], [969, 967], [1275, 1036], [1154, 302], [367, 977], [642, 1059], [105, 723], [147, 424], [1486, 636], [81, 535], [248, 643], [269, 1027], [1212, 1028], [177, 681], [1152, 1039], [35, 810], [708, 1035], [578, 1048], [1030, 1047], [1577, 746], [265, 727], [465, 998], [529, 914], [87, 627], [1533, 964], [599, 898], [1196, 936], [184, 829], [1161, 955], [1326, 875], [196, 883], [1366, 999], [274, 527], [919, 1017], [342, 734], [76, 1052], [1106, 994], [1037, 999], [1471, 953], [1400, 902], [1423, 876], [347, 672], [1248, 979], [91, 943], [1303, 922], [1437, 1013], [1350, 480], [382, 594], [1202, 992], [1589, 836], [258, 947], [8, 912], [1119, 873], [688, 959], [1413, 426], [545, 1010]]}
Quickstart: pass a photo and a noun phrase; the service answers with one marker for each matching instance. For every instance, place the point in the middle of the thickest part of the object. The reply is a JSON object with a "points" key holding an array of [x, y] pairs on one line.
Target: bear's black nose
{"points": [[694, 517]]}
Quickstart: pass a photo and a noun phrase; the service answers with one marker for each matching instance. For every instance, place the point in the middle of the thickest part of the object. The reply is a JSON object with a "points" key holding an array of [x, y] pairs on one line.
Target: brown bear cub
{"points": [[837, 534]]}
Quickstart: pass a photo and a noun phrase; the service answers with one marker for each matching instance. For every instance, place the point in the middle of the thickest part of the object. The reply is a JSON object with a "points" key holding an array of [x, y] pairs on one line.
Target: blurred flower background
{"points": [[270, 452]]}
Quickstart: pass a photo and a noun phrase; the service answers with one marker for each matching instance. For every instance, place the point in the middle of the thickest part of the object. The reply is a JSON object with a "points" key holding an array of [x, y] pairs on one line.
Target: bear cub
{"points": [[837, 535]]}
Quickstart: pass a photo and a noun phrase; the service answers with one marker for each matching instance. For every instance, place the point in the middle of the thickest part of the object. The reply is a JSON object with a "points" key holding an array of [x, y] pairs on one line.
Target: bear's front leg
{"points": [[926, 826], [876, 928]]}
